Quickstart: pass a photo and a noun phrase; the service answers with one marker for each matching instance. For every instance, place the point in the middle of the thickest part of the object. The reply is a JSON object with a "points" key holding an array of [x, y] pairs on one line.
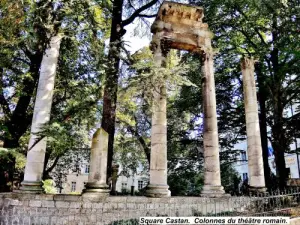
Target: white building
{"points": [[138, 181], [291, 162], [76, 180]]}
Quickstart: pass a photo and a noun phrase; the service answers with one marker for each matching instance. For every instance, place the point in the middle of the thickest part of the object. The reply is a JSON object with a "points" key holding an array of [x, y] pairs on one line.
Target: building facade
{"points": [[75, 181], [291, 160]]}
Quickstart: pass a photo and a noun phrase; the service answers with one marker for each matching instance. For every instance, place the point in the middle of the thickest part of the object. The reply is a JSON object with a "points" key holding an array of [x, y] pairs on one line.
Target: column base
{"points": [[31, 187], [158, 191], [257, 190], [94, 189], [213, 191]]}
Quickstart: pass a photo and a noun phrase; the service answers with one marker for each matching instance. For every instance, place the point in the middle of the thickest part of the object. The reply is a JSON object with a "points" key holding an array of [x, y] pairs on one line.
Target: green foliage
{"points": [[185, 183], [79, 74], [48, 186], [12, 164], [9, 155], [148, 75], [230, 179], [266, 30]]}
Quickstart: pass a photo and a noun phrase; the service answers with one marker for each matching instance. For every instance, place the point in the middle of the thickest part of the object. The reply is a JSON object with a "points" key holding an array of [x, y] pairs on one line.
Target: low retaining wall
{"points": [[47, 209]]}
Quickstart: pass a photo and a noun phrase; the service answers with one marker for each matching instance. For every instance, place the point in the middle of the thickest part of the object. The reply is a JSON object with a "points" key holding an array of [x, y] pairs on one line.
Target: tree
{"points": [[112, 72], [85, 30], [24, 53], [266, 30]]}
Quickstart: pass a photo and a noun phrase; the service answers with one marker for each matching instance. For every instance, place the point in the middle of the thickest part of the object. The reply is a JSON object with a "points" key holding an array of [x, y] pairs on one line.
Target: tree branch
{"points": [[137, 13], [139, 138], [53, 164]]}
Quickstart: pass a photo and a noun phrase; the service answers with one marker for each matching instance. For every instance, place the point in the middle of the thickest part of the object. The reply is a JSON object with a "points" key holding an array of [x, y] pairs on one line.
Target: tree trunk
{"points": [[279, 138], [111, 85], [20, 120], [263, 123], [279, 146]]}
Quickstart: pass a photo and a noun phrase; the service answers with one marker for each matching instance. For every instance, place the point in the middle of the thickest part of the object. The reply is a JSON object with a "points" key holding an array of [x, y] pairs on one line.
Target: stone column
{"points": [[254, 149], [212, 179], [41, 115], [158, 186], [96, 184]]}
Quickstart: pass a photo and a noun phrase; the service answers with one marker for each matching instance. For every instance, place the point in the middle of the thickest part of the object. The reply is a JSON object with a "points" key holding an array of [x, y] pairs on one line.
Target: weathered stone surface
{"points": [[96, 185], [212, 178], [48, 204], [41, 115], [176, 26], [35, 203], [255, 160], [110, 210], [158, 186], [180, 26], [62, 204]]}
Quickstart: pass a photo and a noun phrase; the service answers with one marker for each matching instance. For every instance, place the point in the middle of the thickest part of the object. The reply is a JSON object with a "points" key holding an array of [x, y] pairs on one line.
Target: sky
{"points": [[135, 42]]}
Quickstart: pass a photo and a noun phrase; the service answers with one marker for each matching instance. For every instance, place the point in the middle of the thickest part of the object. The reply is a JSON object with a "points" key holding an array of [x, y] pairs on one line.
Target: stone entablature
{"points": [[180, 26]]}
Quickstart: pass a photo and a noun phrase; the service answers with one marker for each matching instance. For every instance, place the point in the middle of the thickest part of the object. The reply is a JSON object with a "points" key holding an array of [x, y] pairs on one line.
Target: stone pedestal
{"points": [[158, 186], [212, 179], [41, 115], [96, 185], [254, 149]]}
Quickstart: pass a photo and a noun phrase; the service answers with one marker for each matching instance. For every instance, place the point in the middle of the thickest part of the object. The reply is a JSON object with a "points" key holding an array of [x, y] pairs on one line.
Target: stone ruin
{"points": [[177, 26]]}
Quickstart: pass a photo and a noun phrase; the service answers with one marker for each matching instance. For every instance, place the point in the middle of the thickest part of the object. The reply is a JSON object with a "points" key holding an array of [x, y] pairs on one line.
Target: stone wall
{"points": [[72, 209]]}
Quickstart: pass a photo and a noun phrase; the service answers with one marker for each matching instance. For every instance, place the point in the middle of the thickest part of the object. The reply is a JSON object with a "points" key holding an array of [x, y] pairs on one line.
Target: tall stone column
{"points": [[212, 179], [254, 149], [41, 115], [96, 184], [158, 186]]}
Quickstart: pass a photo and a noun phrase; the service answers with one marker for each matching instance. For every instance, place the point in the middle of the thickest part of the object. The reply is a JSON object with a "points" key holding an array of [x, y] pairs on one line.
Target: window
{"points": [[244, 156], [245, 176], [73, 187], [124, 185], [87, 169], [140, 184]]}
